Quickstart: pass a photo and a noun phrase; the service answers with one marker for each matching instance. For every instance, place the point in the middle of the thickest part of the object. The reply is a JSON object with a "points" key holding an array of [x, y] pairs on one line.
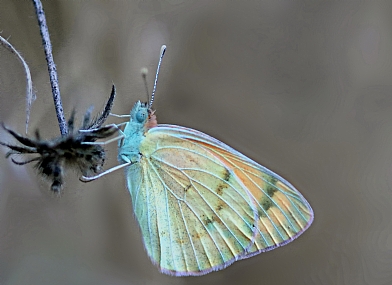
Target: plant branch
{"points": [[51, 66]]}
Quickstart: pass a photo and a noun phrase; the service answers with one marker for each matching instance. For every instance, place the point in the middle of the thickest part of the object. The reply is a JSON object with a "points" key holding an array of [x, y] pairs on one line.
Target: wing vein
{"points": [[167, 211], [148, 211], [213, 175], [191, 208], [189, 235]]}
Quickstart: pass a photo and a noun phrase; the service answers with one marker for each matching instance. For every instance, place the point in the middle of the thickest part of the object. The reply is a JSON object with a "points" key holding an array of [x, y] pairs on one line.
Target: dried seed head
{"points": [[62, 152]]}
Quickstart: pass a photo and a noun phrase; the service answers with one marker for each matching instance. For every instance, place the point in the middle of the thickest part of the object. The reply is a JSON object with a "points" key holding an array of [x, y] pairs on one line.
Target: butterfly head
{"points": [[142, 114]]}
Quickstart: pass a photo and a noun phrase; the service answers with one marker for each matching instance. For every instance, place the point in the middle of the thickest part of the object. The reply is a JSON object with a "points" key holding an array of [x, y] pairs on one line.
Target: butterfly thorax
{"points": [[141, 119]]}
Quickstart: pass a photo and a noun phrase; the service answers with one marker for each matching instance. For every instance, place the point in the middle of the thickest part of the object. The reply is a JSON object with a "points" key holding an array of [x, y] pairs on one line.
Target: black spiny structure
{"points": [[71, 150]]}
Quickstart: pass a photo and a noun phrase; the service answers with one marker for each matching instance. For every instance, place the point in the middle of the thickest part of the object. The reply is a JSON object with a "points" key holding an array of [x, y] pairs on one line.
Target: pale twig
{"points": [[30, 95]]}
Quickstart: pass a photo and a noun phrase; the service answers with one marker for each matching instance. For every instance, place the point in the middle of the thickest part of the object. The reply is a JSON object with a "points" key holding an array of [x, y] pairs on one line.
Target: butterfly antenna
{"points": [[162, 53], [144, 72]]}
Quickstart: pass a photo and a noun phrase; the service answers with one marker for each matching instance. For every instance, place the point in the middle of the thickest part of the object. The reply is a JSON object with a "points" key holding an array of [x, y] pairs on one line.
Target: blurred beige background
{"points": [[303, 87]]}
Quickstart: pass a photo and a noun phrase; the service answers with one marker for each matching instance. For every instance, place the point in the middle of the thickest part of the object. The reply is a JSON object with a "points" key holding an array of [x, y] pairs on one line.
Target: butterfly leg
{"points": [[121, 136], [100, 128], [105, 142], [122, 124], [119, 116], [91, 178]]}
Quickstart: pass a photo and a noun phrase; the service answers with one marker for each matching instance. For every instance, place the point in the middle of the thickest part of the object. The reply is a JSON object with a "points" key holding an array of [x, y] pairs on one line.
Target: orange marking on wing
{"points": [[238, 167], [281, 217], [277, 218], [266, 227], [285, 204]]}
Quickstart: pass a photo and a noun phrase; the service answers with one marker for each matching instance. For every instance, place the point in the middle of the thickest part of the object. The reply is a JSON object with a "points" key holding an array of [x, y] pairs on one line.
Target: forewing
{"points": [[194, 213], [283, 213]]}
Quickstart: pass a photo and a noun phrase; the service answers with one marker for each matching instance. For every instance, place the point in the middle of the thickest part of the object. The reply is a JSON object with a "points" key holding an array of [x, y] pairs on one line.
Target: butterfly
{"points": [[200, 204], [78, 149]]}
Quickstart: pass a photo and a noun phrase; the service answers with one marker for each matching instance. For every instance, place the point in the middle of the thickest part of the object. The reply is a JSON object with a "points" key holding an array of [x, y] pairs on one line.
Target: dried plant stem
{"points": [[51, 66], [30, 95]]}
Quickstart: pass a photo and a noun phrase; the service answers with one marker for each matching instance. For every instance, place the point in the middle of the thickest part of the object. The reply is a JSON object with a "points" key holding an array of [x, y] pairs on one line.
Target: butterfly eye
{"points": [[141, 116]]}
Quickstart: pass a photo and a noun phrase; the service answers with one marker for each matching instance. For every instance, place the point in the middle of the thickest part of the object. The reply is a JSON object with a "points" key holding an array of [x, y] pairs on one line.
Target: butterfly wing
{"points": [[195, 216], [201, 205], [283, 213]]}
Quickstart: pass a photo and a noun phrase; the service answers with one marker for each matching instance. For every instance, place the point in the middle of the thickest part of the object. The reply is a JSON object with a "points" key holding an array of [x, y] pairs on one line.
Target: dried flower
{"points": [[72, 150]]}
